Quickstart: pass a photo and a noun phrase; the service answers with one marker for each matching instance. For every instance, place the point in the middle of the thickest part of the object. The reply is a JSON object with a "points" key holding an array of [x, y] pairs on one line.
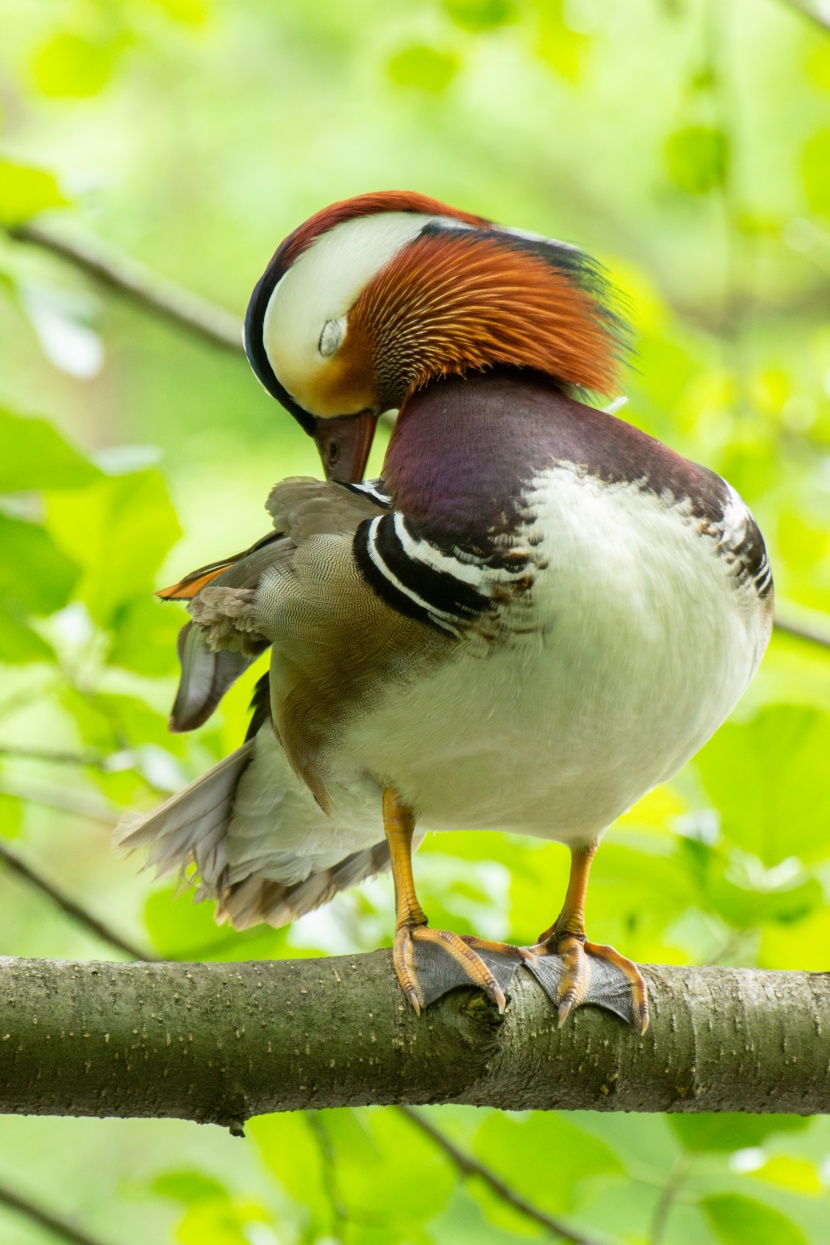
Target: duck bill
{"points": [[344, 443]]}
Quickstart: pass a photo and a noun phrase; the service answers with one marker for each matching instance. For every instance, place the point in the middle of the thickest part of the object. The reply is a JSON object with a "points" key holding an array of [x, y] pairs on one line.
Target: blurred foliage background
{"points": [[684, 142]]}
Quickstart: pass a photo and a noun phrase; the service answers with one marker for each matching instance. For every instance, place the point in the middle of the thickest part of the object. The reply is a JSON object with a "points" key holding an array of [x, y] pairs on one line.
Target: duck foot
{"points": [[431, 962], [573, 972]]}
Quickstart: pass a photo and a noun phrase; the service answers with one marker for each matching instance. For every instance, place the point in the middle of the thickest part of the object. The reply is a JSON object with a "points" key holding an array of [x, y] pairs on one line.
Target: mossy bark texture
{"points": [[222, 1042]]}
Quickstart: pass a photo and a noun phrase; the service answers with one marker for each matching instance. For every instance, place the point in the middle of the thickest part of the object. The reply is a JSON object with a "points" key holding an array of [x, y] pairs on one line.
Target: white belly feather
{"points": [[642, 643]]}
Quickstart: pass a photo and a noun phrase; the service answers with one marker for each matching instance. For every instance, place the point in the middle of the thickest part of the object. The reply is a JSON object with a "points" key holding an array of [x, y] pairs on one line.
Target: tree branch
{"points": [[468, 1166], [72, 909], [220, 1042], [129, 278], [44, 1218], [802, 632]]}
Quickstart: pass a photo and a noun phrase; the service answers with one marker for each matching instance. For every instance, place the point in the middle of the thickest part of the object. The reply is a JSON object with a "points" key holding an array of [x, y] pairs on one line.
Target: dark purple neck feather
{"points": [[464, 450]]}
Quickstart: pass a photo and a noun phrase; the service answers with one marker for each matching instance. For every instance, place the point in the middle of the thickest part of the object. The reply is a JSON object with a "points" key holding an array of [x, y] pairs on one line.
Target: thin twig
{"points": [[72, 909], [819, 16], [65, 800], [678, 1175], [92, 759], [45, 1219], [468, 1166], [328, 1167], [116, 271], [802, 632]]}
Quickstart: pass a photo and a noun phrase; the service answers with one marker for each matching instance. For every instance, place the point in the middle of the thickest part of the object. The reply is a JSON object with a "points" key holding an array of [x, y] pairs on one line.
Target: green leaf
{"points": [[738, 1220], [726, 1131], [423, 67], [25, 191], [291, 1152], [513, 1148], [188, 1187], [367, 1146], [71, 66], [697, 158], [796, 1174], [186, 12], [145, 636], [36, 456], [220, 1222], [19, 643], [815, 172], [35, 576], [765, 777], [479, 15], [119, 531], [746, 908], [11, 815]]}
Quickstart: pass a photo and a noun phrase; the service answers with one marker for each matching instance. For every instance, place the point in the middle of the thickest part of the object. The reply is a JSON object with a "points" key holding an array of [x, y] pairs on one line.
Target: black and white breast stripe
{"points": [[444, 588], [741, 544], [375, 490]]}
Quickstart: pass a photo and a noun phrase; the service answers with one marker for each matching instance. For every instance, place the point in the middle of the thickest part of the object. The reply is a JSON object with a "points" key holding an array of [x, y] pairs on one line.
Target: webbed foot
{"points": [[430, 962], [573, 972]]}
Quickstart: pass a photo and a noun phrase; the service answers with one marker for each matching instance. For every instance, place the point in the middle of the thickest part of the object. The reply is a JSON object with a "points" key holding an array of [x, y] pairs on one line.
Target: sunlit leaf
{"points": [[697, 158], [145, 636], [424, 67], [11, 814], [478, 15], [188, 12], [799, 946], [188, 1187], [36, 456], [119, 531], [293, 1154], [367, 1146], [35, 575], [513, 1148], [557, 44], [815, 171], [220, 1222], [737, 1220], [764, 777], [70, 65], [787, 1172], [728, 1131], [25, 191], [19, 643]]}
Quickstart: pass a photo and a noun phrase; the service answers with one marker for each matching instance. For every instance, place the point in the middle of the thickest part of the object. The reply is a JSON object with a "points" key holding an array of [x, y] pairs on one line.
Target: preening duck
{"points": [[536, 615]]}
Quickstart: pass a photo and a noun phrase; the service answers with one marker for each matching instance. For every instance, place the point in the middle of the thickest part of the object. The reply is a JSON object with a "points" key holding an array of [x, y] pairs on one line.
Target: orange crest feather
{"points": [[455, 301]]}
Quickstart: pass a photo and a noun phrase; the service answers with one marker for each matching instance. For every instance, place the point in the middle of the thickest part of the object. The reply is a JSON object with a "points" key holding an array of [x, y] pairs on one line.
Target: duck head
{"points": [[375, 296]]}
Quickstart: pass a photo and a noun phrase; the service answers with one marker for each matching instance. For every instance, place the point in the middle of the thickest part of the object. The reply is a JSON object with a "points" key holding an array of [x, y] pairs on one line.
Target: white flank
{"points": [[642, 641]]}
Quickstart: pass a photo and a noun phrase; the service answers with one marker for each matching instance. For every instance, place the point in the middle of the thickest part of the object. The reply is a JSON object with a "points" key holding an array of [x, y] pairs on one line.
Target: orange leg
{"points": [[592, 972], [428, 962]]}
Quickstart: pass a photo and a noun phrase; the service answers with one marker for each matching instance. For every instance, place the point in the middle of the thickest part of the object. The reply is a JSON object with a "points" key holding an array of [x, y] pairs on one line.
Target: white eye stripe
{"points": [[331, 336]]}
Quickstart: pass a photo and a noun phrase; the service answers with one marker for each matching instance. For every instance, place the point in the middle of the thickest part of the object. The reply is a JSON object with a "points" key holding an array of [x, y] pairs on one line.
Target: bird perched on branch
{"points": [[535, 616]]}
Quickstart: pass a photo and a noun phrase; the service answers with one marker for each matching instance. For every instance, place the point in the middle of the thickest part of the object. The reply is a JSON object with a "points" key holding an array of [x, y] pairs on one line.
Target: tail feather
{"points": [[191, 827], [249, 834], [259, 898]]}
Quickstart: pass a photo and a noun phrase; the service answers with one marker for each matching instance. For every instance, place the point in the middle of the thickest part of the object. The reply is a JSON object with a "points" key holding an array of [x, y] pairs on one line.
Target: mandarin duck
{"points": [[536, 615]]}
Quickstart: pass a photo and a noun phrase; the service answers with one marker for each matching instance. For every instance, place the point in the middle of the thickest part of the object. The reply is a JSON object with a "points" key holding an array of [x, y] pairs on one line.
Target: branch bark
{"points": [[222, 1042], [132, 280]]}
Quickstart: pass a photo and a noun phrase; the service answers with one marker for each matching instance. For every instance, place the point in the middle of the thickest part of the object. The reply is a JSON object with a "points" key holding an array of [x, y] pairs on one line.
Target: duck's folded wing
{"points": [[220, 642]]}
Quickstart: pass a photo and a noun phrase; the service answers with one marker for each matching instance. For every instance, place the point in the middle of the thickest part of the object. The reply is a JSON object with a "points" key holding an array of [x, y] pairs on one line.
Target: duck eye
{"points": [[331, 336]]}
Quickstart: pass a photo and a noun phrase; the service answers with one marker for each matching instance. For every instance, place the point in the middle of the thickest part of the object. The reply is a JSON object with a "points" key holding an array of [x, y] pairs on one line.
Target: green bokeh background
{"points": [[686, 143]]}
